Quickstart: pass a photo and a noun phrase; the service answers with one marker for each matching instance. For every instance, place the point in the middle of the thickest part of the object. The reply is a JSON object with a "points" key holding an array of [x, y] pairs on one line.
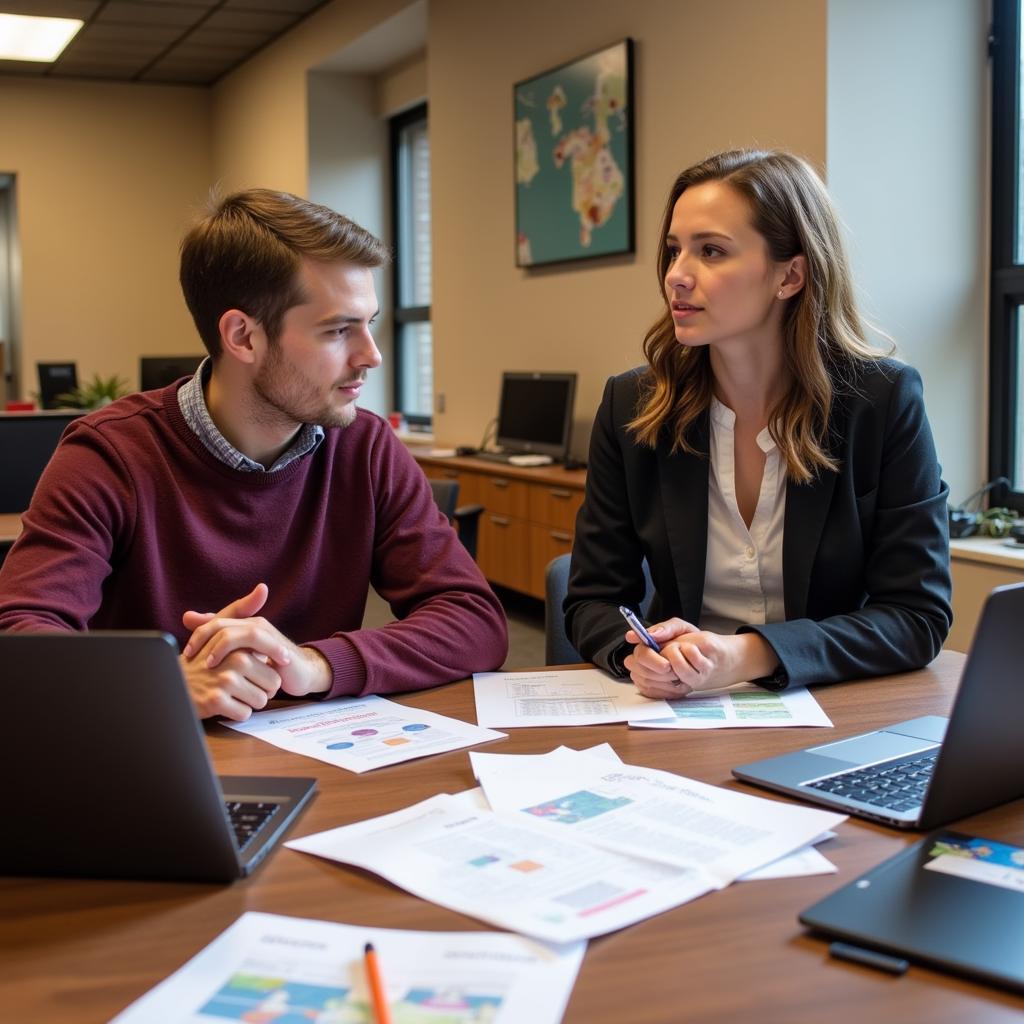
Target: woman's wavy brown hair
{"points": [[824, 336]]}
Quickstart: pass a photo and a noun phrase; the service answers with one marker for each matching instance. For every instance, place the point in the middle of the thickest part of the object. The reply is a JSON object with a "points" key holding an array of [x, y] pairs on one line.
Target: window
{"points": [[1006, 374], [410, 183]]}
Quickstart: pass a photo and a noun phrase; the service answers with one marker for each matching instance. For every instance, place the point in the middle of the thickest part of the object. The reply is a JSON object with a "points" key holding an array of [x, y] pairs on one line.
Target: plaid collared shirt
{"points": [[197, 416]]}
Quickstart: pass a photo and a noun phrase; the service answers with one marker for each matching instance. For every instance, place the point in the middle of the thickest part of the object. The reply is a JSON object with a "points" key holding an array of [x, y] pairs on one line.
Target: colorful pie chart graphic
{"points": [[364, 732], [415, 727], [343, 745]]}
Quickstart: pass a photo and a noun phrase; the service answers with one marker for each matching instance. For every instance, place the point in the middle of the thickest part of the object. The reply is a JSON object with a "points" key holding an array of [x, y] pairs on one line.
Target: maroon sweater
{"points": [[134, 522]]}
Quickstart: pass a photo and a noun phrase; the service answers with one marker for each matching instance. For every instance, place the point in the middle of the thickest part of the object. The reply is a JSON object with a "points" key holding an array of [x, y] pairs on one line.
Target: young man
{"points": [[257, 488]]}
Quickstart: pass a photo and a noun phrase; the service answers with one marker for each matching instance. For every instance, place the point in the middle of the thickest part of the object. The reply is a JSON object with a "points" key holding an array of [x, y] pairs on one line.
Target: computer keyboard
{"points": [[248, 819], [896, 785]]}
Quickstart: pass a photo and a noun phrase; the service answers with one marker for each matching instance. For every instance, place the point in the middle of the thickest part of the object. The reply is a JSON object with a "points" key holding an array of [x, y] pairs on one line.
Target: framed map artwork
{"points": [[574, 159]]}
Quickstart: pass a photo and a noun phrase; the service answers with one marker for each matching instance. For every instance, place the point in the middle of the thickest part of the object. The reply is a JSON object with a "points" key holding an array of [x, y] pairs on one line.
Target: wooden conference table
{"points": [[83, 950]]}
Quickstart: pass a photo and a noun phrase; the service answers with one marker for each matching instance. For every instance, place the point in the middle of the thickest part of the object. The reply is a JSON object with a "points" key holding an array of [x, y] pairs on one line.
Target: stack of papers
{"points": [[745, 706], [507, 700], [801, 863], [361, 733], [570, 845], [271, 968]]}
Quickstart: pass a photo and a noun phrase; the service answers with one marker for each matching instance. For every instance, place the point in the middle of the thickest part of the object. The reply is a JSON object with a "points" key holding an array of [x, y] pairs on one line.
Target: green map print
{"points": [[573, 161]]}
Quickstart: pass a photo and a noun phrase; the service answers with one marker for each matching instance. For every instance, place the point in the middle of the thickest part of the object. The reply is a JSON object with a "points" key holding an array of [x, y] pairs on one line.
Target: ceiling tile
{"points": [[127, 13], [23, 67], [200, 40], [295, 7], [83, 9], [228, 37], [270, 21], [188, 50], [124, 36], [138, 56], [97, 69]]}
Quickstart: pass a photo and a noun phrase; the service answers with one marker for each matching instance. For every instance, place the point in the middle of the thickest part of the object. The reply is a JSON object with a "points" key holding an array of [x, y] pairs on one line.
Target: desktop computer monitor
{"points": [[159, 371], [55, 379], [27, 440], [535, 413]]}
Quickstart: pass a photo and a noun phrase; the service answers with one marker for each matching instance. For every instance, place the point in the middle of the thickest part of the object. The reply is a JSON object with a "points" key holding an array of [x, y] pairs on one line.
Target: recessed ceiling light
{"points": [[23, 37]]}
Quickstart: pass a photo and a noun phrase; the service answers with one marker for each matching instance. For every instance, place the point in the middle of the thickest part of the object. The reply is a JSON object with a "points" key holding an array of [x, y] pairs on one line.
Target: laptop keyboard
{"points": [[894, 785], [247, 819]]}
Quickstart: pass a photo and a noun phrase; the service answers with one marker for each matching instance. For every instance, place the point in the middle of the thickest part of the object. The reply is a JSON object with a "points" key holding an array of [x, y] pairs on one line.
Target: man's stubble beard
{"points": [[286, 396]]}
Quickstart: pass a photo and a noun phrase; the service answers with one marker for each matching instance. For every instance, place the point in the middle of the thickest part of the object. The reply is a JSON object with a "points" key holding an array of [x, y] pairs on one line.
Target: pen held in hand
{"points": [[638, 627], [381, 1010]]}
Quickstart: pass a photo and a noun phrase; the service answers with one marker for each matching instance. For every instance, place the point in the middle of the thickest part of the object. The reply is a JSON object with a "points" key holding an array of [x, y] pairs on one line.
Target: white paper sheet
{"points": [[649, 813], [481, 761], [805, 861], [800, 863], [265, 967], [507, 700], [513, 874], [741, 707], [362, 733]]}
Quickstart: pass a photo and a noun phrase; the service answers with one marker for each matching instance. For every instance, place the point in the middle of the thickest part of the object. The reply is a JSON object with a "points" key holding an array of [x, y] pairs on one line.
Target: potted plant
{"points": [[96, 393]]}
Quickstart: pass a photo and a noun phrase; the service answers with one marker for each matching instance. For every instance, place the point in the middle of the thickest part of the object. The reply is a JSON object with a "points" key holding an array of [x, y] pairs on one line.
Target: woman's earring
{"points": [[781, 294]]}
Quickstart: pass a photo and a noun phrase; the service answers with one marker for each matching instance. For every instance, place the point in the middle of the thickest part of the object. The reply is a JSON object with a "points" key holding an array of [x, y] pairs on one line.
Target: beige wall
{"points": [[402, 86], [107, 177], [348, 171], [260, 114], [916, 201], [708, 76]]}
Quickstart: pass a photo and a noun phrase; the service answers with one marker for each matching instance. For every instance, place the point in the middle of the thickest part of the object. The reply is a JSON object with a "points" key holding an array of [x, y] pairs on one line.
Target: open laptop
{"points": [[106, 771], [928, 771]]}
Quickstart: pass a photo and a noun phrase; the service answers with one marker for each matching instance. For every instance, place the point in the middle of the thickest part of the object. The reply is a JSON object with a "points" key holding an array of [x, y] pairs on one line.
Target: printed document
{"points": [[650, 813], [801, 863], [507, 700], [740, 707], [513, 874], [362, 733], [271, 968], [805, 861]]}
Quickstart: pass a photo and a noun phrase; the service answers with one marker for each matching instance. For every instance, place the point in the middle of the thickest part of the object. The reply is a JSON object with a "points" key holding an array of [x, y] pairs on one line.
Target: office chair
{"points": [[55, 379], [466, 519], [558, 648]]}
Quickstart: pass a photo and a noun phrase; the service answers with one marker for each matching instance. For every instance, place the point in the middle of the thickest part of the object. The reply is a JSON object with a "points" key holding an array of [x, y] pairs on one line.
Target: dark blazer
{"points": [[865, 551]]}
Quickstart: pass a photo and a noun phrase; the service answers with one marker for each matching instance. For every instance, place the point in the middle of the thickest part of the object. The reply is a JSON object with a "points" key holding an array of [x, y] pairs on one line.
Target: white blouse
{"points": [[743, 577]]}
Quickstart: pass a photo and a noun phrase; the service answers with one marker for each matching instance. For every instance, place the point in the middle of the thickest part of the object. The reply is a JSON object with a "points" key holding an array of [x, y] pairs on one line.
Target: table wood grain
{"points": [[80, 951]]}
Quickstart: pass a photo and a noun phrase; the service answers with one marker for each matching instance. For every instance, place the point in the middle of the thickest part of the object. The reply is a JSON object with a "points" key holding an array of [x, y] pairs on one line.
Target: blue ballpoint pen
{"points": [[638, 627]]}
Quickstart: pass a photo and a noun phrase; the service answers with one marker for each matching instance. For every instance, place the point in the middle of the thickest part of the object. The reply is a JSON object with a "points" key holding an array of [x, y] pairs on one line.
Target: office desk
{"points": [[529, 514], [82, 950], [10, 527]]}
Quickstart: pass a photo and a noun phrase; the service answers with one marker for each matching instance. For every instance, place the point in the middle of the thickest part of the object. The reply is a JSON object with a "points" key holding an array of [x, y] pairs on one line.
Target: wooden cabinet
{"points": [[978, 564], [529, 515]]}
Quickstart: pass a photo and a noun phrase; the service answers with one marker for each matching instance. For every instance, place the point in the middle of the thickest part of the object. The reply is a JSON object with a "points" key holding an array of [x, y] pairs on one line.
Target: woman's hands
{"points": [[693, 659]]}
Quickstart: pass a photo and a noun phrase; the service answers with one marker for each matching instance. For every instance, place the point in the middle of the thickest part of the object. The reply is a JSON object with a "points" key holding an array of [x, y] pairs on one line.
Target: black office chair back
{"points": [[558, 648], [446, 496], [466, 518], [55, 379]]}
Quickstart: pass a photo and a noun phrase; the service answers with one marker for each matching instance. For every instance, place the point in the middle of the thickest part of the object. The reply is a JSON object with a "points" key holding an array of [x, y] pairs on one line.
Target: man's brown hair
{"points": [[246, 253]]}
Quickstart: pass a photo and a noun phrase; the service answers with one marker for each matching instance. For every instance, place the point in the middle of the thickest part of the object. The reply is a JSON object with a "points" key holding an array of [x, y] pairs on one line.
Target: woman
{"points": [[775, 471]]}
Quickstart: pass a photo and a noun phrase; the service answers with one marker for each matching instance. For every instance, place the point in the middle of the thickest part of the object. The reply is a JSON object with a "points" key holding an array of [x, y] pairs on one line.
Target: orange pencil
{"points": [[381, 1010]]}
